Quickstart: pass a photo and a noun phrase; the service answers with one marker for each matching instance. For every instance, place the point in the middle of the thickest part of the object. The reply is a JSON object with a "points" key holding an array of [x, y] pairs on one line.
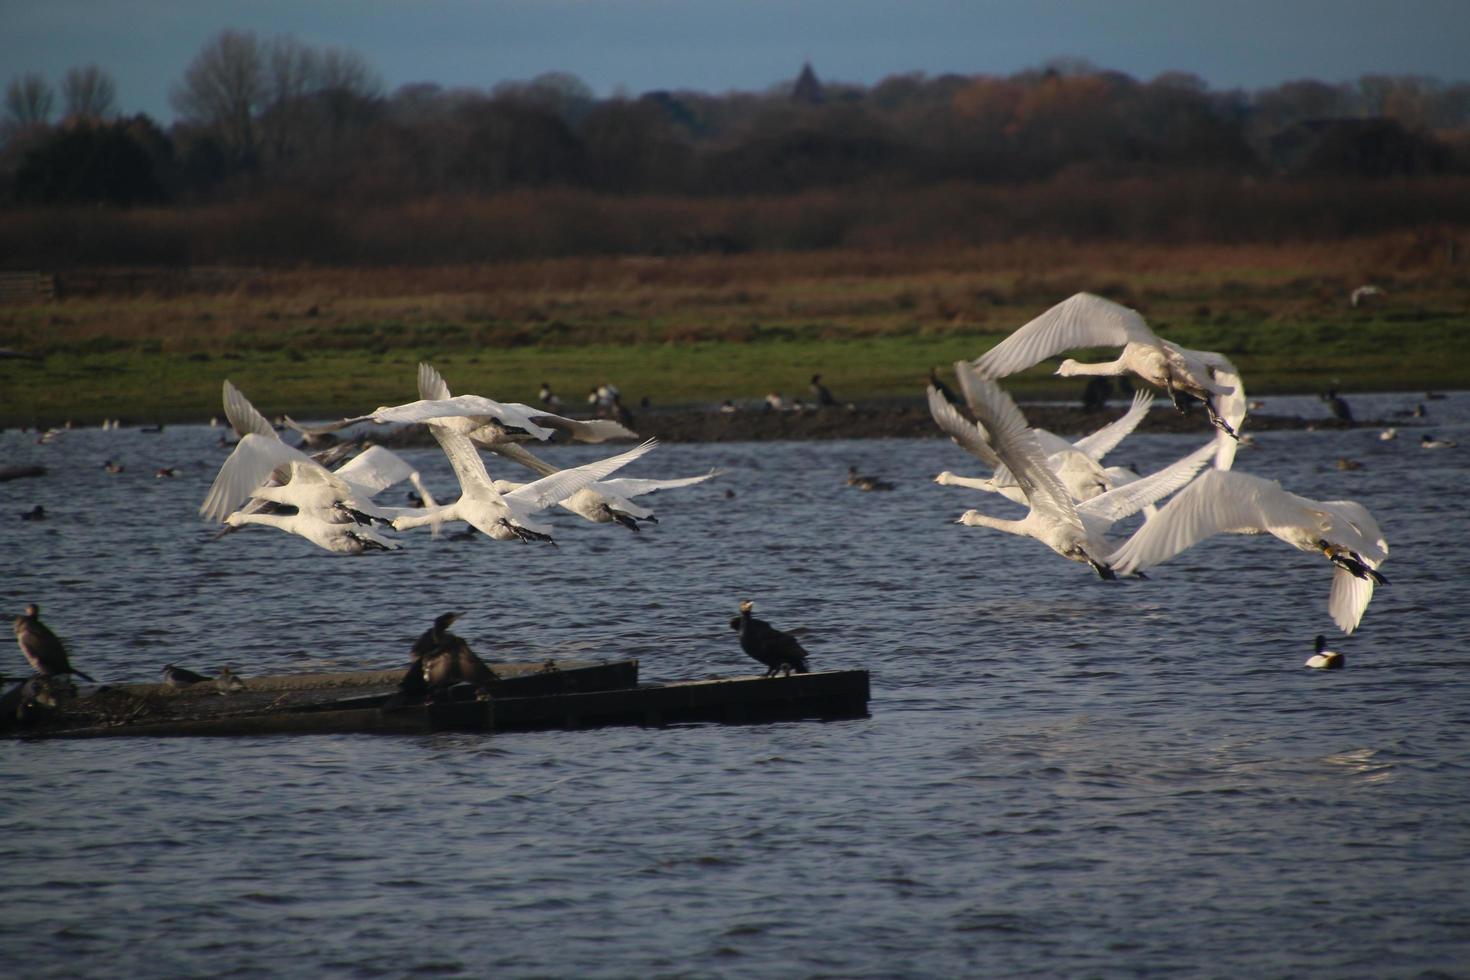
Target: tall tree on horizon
{"points": [[28, 101], [223, 89], [88, 93]]}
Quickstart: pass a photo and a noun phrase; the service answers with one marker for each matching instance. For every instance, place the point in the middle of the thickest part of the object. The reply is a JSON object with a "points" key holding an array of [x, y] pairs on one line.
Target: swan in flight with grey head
{"points": [[329, 505], [1077, 464], [602, 502], [507, 517], [1230, 502], [1085, 320], [485, 421], [1076, 531]]}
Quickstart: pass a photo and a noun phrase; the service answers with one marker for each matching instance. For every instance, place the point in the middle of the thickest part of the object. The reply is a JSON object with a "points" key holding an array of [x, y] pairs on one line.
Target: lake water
{"points": [[1060, 776]]}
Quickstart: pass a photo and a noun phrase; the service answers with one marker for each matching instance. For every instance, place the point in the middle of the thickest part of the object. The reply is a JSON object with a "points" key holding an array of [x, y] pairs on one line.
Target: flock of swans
{"points": [[1074, 500], [265, 481]]}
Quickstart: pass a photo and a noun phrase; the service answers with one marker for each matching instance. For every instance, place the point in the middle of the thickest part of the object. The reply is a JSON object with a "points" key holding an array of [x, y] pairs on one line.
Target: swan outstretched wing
{"points": [[465, 460], [244, 418], [1217, 502], [1098, 444], [971, 437], [635, 487], [1015, 444], [432, 386], [249, 466], [1082, 320], [1133, 496], [375, 469], [1348, 599], [562, 484], [591, 430], [1351, 525]]}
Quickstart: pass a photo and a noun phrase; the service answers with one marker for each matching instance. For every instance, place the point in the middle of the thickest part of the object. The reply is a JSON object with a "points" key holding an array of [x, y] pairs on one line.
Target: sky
{"points": [[715, 46]]}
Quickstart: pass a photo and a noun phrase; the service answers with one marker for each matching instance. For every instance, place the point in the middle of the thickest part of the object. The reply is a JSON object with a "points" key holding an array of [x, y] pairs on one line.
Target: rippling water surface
{"points": [[1060, 775]]}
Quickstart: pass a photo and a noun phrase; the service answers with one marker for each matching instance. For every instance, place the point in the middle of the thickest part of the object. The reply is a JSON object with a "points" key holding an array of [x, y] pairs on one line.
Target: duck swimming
{"points": [[1323, 658]]}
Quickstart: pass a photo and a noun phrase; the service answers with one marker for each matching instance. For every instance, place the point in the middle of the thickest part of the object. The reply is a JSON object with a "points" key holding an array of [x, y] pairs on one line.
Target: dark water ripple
{"points": [[1060, 776]]}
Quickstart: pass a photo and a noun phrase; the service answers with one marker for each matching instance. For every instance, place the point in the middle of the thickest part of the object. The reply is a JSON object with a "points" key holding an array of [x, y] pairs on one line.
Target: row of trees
{"points": [[271, 116]]}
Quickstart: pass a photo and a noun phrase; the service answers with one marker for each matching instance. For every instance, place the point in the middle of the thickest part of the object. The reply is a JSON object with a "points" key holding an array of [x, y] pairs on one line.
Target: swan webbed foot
{"points": [[1103, 571]]}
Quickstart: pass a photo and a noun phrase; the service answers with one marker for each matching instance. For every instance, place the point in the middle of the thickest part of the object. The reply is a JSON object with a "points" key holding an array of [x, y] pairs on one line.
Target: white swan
{"points": [[1077, 464], [603, 502], [507, 517], [1085, 320], [486, 421], [1076, 531], [261, 466], [1222, 502], [342, 536]]}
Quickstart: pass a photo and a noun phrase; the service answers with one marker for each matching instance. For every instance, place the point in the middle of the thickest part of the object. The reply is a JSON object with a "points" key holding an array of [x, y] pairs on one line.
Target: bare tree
{"points": [[223, 88], [88, 93], [28, 100], [292, 70]]}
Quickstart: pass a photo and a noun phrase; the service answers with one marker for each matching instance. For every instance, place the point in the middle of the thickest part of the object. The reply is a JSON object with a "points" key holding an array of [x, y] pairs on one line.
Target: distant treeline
{"points": [[286, 153]]}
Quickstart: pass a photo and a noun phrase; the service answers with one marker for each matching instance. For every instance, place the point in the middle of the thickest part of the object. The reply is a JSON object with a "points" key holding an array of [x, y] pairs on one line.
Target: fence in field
{"points": [[27, 287]]}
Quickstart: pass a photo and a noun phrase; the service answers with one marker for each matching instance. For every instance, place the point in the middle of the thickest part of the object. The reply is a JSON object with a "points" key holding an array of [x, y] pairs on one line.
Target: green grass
{"points": [[327, 343], [89, 385]]}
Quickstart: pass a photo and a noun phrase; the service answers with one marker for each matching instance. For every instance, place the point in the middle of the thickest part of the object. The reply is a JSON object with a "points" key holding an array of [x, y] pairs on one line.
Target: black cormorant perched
{"points": [[1339, 406], [42, 648], [777, 650], [454, 661], [439, 659], [823, 396]]}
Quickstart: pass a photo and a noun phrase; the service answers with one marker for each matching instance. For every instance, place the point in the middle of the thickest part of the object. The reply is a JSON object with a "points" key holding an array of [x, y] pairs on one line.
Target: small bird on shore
{"points": [[43, 650], [181, 676], [227, 682], [1323, 658], [777, 650]]}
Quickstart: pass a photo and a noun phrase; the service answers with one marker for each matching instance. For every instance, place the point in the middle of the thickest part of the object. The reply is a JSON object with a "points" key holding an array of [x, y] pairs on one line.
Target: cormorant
{"points": [[42, 648], [439, 659], [777, 650]]}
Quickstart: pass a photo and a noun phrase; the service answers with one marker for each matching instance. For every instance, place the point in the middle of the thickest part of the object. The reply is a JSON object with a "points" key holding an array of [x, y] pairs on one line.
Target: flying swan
{"points": [[1222, 502]]}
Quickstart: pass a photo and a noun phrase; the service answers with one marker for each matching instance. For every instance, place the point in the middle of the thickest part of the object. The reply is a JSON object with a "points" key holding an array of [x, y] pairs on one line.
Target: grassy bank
{"points": [[151, 345]]}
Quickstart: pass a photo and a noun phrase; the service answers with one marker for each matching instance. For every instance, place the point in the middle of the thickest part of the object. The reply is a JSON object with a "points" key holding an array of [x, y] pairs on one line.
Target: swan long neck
{"points": [[438, 516], [283, 521], [973, 518], [1070, 368]]}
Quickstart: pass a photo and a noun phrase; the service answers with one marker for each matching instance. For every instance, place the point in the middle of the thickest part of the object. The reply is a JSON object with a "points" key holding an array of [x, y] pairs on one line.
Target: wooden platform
{"points": [[529, 697]]}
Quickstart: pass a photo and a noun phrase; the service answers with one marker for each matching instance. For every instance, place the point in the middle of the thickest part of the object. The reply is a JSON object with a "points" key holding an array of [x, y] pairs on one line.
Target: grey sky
{"points": [[719, 45]]}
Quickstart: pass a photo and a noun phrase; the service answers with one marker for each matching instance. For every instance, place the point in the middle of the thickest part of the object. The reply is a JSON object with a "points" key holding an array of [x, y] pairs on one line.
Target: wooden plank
{"points": [[827, 695]]}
